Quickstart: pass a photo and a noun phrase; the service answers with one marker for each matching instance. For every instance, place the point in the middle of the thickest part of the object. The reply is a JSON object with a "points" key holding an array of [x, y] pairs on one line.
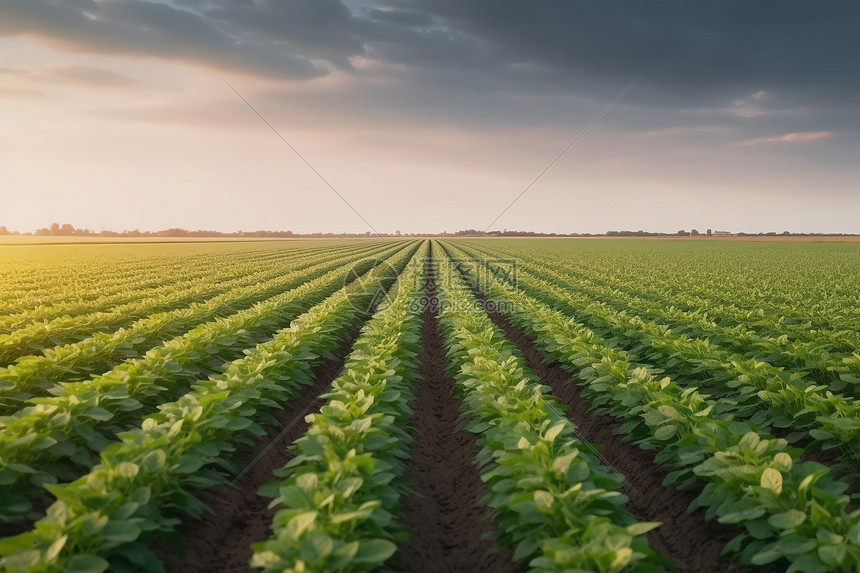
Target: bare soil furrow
{"points": [[221, 541], [447, 526], [686, 538]]}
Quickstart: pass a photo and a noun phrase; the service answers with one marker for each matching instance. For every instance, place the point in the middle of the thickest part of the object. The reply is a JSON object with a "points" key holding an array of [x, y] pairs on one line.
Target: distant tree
{"points": [[683, 233], [786, 233], [43, 231], [397, 233], [709, 232], [67, 230], [4, 230], [694, 232], [55, 229]]}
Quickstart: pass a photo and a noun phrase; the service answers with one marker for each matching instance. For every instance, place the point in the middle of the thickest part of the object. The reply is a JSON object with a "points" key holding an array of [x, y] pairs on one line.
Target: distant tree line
{"points": [[67, 230]]}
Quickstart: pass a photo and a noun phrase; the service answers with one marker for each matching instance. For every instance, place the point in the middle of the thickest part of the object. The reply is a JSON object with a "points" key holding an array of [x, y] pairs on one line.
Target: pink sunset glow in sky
{"points": [[427, 116]]}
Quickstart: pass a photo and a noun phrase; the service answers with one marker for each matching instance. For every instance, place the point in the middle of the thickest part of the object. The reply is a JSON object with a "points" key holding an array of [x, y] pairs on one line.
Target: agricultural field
{"points": [[430, 405]]}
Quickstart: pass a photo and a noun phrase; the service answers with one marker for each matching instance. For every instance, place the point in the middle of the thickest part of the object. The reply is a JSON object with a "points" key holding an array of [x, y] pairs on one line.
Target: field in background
{"points": [[151, 393]]}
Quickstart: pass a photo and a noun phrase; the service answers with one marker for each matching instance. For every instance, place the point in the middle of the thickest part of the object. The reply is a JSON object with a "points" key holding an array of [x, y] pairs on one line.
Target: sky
{"points": [[429, 116]]}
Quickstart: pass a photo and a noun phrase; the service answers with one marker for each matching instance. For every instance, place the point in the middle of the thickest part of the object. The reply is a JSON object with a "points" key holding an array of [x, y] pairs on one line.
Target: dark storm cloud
{"points": [[686, 47], [768, 67], [149, 29], [414, 18], [678, 45], [308, 28], [763, 69]]}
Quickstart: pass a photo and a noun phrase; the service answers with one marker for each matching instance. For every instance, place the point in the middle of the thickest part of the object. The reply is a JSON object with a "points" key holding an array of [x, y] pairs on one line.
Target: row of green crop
{"points": [[770, 277], [337, 508], [555, 502], [144, 482], [193, 277], [104, 297], [99, 285], [57, 435], [800, 316], [748, 388], [36, 375], [26, 288], [792, 512], [795, 346], [86, 284], [61, 330], [44, 269]]}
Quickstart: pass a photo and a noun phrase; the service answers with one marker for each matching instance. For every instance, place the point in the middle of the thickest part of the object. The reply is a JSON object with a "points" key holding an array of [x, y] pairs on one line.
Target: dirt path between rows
{"points": [[443, 516], [693, 544], [221, 541]]}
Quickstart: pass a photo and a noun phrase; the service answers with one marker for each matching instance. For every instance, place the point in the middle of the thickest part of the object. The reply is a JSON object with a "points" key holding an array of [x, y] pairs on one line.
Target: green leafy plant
{"points": [[682, 425], [344, 486], [144, 481], [556, 503]]}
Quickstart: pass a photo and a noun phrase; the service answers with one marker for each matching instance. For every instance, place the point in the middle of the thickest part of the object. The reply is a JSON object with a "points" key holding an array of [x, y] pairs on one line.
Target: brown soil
{"points": [[687, 539], [221, 541], [446, 523]]}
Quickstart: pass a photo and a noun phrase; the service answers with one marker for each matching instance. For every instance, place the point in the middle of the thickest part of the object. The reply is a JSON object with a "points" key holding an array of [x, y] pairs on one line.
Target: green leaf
{"points": [[120, 531], [750, 440], [832, 555], [374, 551], [562, 463], [189, 464], [771, 479], [543, 498], [805, 483], [307, 481], [362, 425], [807, 564], [141, 495], [642, 527], [665, 432], [127, 470], [55, 548], [766, 556], [172, 366], [98, 414], [787, 520], [154, 461], [783, 460], [753, 511], [669, 412], [316, 545], [553, 432], [820, 434], [301, 523], [87, 564]]}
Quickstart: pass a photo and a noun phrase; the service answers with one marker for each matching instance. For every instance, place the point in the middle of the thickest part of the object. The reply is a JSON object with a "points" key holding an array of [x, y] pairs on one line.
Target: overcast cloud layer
{"points": [[430, 115]]}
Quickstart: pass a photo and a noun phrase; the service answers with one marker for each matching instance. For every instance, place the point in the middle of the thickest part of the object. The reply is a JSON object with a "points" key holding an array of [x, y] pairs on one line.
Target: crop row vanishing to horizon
{"points": [[430, 405]]}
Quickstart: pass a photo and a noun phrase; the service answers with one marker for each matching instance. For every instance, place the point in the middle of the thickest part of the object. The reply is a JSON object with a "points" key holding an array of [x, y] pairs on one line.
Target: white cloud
{"points": [[797, 137]]}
